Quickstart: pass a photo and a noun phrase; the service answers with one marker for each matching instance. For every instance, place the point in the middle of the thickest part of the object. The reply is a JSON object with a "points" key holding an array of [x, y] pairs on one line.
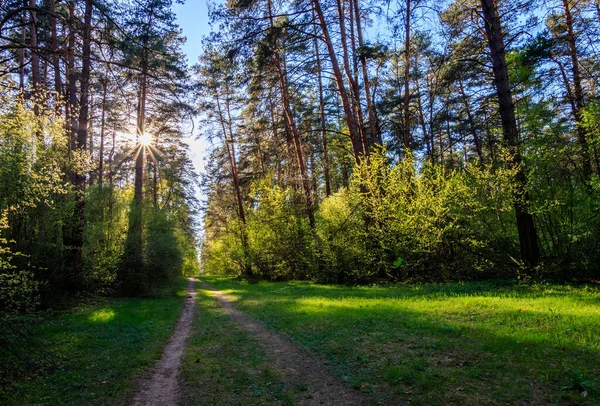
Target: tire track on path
{"points": [[294, 366]]}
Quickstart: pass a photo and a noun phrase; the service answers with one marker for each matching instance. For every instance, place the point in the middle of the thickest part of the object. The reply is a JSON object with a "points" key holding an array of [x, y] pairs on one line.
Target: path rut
{"points": [[159, 388], [294, 366]]}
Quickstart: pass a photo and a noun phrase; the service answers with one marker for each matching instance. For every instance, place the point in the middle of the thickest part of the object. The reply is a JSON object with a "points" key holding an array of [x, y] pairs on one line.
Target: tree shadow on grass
{"points": [[518, 348]]}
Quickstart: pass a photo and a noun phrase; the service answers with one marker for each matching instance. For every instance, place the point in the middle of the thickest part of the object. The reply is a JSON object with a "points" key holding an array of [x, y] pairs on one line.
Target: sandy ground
{"points": [[159, 386], [294, 366]]}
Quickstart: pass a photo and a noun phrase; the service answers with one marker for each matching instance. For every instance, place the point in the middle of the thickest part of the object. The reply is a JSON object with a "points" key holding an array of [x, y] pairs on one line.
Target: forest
{"points": [[353, 143], [392, 141], [97, 188]]}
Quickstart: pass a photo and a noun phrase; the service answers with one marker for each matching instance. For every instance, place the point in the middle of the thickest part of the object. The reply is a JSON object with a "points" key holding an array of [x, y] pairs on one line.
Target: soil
{"points": [[159, 386], [296, 368]]}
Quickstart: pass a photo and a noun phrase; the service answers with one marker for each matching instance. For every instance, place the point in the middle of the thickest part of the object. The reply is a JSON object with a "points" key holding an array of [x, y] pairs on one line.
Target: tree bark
{"points": [[322, 122], [73, 105], [373, 127], [102, 131], [22, 53], [286, 102], [353, 125], [81, 145], [230, 147], [579, 103], [406, 136], [35, 59], [525, 225], [54, 48], [35, 63], [352, 73]]}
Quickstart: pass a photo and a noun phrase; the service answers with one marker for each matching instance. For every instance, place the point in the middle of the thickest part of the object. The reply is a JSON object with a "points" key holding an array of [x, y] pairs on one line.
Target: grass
{"points": [[468, 344], [90, 355], [224, 366]]}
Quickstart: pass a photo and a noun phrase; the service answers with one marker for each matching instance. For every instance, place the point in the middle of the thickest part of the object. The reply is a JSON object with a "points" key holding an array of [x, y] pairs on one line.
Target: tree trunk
{"points": [[102, 131], [352, 75], [578, 95], [229, 140], [54, 48], [525, 225], [35, 60], [353, 125], [230, 147], [406, 137], [22, 52], [73, 105], [33, 43], [373, 127], [138, 194], [322, 115], [286, 102], [81, 145], [111, 157]]}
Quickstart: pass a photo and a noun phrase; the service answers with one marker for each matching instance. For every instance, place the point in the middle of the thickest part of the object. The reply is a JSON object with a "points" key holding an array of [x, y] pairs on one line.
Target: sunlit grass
{"points": [[102, 315], [443, 344], [93, 353]]}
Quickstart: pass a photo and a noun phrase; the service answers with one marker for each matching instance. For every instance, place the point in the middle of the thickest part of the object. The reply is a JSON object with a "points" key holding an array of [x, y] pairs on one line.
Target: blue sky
{"points": [[192, 17]]}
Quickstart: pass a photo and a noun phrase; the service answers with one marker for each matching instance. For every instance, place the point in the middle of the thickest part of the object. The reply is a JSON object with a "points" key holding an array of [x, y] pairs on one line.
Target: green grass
{"points": [[90, 355], [468, 344], [224, 366]]}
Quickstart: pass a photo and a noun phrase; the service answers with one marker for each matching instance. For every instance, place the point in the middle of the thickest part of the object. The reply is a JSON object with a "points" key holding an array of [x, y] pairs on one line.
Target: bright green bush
{"points": [[280, 242], [104, 237], [396, 222]]}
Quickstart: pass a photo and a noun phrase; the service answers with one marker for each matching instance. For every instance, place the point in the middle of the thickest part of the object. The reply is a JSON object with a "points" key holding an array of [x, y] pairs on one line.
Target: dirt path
{"points": [[160, 386], [294, 366]]}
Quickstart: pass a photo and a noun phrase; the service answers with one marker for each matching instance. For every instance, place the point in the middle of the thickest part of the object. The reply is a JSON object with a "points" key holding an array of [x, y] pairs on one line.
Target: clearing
{"points": [[309, 344], [467, 344]]}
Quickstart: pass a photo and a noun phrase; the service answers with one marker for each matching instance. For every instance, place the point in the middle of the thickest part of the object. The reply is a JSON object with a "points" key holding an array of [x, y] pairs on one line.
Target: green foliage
{"points": [[342, 231], [279, 237], [280, 244], [163, 254], [223, 254], [394, 222], [152, 261], [32, 185], [401, 223], [104, 237]]}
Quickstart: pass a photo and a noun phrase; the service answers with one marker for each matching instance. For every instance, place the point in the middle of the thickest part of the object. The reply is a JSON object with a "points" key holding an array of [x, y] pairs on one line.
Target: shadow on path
{"points": [[159, 387]]}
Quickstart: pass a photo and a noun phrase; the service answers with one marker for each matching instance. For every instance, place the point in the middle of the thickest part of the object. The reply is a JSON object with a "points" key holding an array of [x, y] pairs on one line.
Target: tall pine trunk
{"points": [[578, 100], [54, 48], [406, 136], [291, 123], [525, 225], [323, 124], [347, 105], [81, 146]]}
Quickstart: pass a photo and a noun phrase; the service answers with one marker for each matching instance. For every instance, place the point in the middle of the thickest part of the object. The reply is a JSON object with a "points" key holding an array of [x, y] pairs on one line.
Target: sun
{"points": [[145, 139]]}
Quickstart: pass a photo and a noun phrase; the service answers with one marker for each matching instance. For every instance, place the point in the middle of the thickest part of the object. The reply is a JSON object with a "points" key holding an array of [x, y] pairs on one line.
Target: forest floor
{"points": [[90, 354], [306, 344], [456, 344]]}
